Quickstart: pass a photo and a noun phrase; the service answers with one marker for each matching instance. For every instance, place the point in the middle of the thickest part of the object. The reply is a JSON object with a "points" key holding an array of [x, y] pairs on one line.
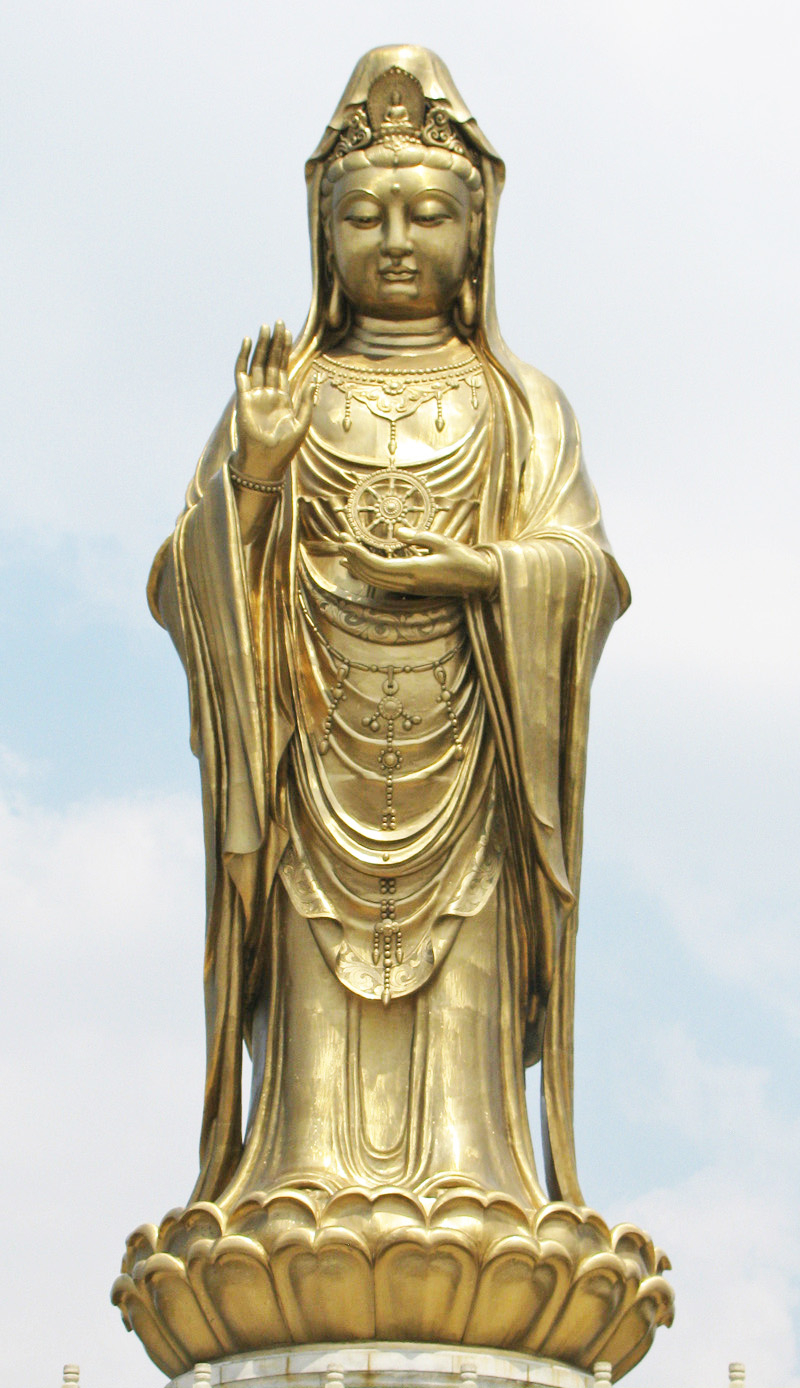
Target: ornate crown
{"points": [[396, 112]]}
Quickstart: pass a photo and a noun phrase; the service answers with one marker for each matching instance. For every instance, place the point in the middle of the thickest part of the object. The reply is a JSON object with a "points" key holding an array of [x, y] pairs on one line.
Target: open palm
{"points": [[270, 425]]}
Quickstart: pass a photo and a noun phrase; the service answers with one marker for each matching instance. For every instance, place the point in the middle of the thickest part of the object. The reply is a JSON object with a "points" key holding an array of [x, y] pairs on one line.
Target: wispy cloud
{"points": [[731, 1225], [101, 1053], [647, 260]]}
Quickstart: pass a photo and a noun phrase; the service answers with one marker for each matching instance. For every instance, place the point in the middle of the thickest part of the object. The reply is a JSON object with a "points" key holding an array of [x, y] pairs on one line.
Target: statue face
{"points": [[400, 239]]}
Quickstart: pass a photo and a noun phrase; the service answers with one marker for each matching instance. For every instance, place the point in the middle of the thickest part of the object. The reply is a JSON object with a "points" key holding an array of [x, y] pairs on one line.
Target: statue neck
{"points": [[379, 337]]}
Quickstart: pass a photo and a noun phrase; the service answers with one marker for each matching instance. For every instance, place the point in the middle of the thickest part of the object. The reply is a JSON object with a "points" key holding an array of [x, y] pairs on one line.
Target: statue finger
{"points": [[275, 358], [421, 539], [258, 363], [359, 560], [392, 574], [283, 377], [386, 573], [409, 536], [240, 373], [350, 549]]}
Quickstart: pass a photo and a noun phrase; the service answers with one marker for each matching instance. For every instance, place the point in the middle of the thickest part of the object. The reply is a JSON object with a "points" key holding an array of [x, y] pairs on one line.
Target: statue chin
{"points": [[464, 1268]]}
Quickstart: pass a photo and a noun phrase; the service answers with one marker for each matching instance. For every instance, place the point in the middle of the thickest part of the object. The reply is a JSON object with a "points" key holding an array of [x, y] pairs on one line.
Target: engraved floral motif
{"points": [[301, 885], [408, 626], [398, 393], [365, 978], [485, 869], [438, 130], [357, 134]]}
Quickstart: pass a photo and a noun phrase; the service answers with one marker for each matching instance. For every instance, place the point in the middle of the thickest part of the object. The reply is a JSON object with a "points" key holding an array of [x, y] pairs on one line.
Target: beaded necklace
{"points": [[389, 497]]}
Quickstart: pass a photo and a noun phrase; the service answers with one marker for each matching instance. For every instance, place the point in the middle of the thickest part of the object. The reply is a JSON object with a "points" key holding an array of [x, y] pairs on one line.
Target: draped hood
{"points": [[535, 646]]}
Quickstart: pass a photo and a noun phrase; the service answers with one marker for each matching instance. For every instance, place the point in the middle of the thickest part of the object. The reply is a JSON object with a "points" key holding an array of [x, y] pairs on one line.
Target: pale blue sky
{"points": [[647, 259]]}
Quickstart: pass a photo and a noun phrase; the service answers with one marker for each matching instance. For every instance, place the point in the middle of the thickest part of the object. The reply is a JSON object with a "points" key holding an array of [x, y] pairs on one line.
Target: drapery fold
{"points": [[535, 647]]}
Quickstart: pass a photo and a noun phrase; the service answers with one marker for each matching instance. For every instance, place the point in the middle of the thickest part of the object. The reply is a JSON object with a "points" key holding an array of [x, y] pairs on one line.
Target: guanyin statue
{"points": [[390, 588]]}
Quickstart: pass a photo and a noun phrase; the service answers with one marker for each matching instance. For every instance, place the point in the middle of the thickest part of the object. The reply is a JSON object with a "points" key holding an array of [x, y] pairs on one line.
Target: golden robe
{"points": [[392, 795], [289, 662]]}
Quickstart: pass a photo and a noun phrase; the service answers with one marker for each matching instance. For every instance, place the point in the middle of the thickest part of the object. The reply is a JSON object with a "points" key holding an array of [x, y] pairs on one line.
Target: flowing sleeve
{"points": [[218, 601], [538, 644]]}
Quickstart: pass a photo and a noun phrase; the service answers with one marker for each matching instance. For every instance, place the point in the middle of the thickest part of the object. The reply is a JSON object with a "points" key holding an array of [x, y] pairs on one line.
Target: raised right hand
{"points": [[269, 424]]}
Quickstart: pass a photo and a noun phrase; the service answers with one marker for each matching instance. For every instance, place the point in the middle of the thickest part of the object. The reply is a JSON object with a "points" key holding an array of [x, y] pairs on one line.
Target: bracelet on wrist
{"points": [[253, 484]]}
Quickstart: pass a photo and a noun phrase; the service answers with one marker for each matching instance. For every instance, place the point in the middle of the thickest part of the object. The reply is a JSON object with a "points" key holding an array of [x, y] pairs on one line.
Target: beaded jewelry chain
{"points": [[251, 484], [389, 708], [387, 936]]}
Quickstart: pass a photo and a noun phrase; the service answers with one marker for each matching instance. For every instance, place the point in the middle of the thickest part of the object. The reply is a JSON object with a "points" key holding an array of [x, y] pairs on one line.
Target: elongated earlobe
{"points": [[466, 308], [335, 314]]}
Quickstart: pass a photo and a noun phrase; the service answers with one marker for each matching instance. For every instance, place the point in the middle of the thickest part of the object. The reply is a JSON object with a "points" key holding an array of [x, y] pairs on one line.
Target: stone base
{"points": [[384, 1364]]}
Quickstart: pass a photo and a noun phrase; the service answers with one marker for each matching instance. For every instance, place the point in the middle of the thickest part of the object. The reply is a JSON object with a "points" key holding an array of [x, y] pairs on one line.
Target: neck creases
{"points": [[379, 336]]}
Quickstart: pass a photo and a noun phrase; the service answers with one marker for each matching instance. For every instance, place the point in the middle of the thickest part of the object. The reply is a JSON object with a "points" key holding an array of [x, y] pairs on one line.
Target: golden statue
{"points": [[390, 588]]}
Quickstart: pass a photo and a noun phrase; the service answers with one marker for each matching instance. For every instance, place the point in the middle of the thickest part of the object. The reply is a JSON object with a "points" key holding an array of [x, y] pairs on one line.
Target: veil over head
{"points": [[438, 86]]}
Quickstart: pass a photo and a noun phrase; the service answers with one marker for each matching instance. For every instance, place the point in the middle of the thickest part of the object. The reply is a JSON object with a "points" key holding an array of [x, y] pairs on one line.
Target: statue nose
{"points": [[395, 238]]}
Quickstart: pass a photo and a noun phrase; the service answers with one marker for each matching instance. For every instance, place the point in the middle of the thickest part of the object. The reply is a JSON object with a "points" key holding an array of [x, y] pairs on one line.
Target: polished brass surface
{"points": [[390, 588], [467, 1268]]}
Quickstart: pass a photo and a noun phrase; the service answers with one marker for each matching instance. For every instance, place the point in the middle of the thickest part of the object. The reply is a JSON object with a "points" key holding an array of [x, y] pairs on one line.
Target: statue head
{"points": [[403, 191], [401, 200]]}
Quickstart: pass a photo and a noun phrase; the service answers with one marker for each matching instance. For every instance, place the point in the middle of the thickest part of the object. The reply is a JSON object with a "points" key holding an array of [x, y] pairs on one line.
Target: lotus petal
{"points": [[232, 1281], [555, 1272], [512, 1288], [179, 1230], [597, 1295], [166, 1281], [266, 1217], [374, 1213], [139, 1245], [654, 1306], [324, 1283], [630, 1242], [484, 1218], [424, 1285], [581, 1231], [198, 1254], [139, 1316]]}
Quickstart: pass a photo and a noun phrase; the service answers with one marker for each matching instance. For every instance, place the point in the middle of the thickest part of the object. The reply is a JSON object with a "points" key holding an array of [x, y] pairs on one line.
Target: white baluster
{"points": [[602, 1373], [468, 1373], [72, 1376]]}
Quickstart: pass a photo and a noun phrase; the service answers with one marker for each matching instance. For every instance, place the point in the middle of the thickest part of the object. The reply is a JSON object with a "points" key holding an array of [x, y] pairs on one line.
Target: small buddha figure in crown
{"points": [[397, 120], [390, 589]]}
